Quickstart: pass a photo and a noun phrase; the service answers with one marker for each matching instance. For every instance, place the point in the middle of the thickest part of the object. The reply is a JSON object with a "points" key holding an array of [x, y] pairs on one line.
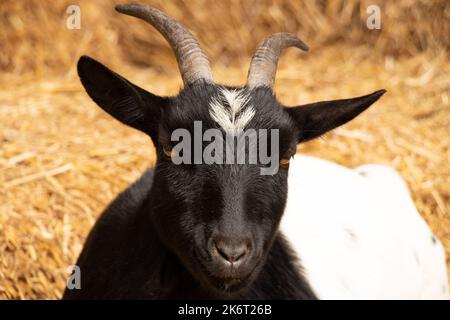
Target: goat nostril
{"points": [[231, 253]]}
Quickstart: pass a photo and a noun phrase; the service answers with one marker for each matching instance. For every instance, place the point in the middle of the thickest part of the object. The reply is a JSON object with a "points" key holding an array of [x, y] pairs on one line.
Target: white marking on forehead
{"points": [[231, 110]]}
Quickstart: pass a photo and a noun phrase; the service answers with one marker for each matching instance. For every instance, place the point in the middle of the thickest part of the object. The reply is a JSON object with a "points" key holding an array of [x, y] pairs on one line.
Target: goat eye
{"points": [[167, 152], [284, 162]]}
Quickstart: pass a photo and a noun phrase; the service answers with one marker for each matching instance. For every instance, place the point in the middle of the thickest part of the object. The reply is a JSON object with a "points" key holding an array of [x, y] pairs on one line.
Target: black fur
{"points": [[158, 239], [123, 258]]}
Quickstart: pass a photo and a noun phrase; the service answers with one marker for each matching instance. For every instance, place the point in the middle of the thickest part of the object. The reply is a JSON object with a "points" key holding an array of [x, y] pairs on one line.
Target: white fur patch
{"points": [[231, 110], [358, 234]]}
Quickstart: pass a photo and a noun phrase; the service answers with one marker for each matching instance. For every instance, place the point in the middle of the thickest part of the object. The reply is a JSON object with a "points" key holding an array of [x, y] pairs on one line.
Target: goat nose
{"points": [[232, 251]]}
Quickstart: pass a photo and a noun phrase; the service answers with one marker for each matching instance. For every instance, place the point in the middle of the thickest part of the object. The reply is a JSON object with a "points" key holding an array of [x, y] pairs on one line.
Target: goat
{"points": [[359, 234], [210, 231]]}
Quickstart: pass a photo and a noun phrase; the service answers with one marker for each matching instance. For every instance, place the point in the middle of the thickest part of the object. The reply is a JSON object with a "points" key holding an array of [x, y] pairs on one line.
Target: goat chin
{"points": [[367, 240]]}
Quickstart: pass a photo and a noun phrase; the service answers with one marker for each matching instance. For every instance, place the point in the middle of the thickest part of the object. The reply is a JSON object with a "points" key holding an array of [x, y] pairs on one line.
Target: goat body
{"points": [[123, 258], [359, 235]]}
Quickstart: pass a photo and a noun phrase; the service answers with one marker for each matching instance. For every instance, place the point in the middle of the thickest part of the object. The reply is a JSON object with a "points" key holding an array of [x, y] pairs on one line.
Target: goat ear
{"points": [[315, 119], [120, 98]]}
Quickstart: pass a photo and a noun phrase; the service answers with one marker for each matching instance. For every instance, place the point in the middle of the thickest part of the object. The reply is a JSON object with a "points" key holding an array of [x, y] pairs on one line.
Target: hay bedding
{"points": [[62, 159]]}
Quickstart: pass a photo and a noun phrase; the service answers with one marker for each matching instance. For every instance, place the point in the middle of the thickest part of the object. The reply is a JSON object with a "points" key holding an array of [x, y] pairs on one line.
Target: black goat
{"points": [[198, 230]]}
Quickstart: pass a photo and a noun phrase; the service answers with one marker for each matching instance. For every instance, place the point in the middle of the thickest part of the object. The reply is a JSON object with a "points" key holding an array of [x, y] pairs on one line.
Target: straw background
{"points": [[62, 159]]}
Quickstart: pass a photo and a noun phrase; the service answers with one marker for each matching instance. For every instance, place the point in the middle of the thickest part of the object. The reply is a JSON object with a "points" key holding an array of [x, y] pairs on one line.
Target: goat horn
{"points": [[264, 62], [192, 61]]}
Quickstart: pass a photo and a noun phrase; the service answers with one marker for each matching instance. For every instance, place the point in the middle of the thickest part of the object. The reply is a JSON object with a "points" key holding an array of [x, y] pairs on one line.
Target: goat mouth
{"points": [[229, 285], [226, 284]]}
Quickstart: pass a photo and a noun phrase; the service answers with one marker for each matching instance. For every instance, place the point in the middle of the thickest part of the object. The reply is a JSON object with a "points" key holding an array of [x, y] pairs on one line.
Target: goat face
{"points": [[219, 218]]}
